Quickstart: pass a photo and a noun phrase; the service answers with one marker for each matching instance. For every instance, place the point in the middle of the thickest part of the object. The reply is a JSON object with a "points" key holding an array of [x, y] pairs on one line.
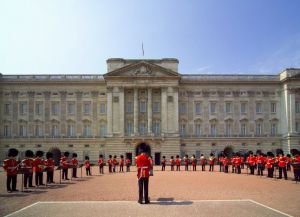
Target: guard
{"points": [[10, 166]]}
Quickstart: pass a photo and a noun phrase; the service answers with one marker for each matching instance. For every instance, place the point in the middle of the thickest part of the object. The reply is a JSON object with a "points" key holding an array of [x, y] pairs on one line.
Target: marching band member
{"points": [[282, 165], [233, 166], [163, 163], [101, 164], [64, 162], [49, 163], [28, 163], [114, 163], [172, 163], [242, 162], [238, 162], [289, 161], [194, 162], [220, 160], [296, 160], [178, 162], [10, 166], [74, 162], [121, 163], [260, 164], [270, 164], [87, 165], [202, 162], [186, 162], [109, 163], [251, 162], [211, 162], [39, 165], [128, 163], [225, 163]]}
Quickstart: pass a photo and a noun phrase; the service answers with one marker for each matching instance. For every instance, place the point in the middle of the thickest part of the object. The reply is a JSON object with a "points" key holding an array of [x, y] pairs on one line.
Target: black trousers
{"points": [[233, 169], [252, 170], [11, 183], [226, 169], [194, 167], [282, 169], [221, 165], [270, 172], [101, 169], [203, 167], [211, 167], [288, 167], [260, 169], [172, 167], [74, 174], [297, 175], [65, 174], [28, 179], [110, 168], [121, 168], [38, 178], [186, 167], [50, 176], [128, 168], [143, 189], [177, 168], [88, 171], [114, 169], [163, 167], [238, 169], [242, 166]]}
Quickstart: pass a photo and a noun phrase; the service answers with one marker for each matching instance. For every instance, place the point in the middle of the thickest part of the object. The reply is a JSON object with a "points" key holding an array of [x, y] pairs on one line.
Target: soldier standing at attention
{"points": [[178, 162], [115, 163], [28, 163], [143, 172], [260, 164], [186, 162], [225, 163], [220, 160], [101, 163], [211, 162], [202, 162], [238, 162], [172, 163], [50, 167], [282, 161], [163, 163], [10, 166], [87, 165], [74, 162], [121, 163], [251, 162], [128, 163], [39, 165], [64, 162], [270, 164], [194, 162], [109, 162]]}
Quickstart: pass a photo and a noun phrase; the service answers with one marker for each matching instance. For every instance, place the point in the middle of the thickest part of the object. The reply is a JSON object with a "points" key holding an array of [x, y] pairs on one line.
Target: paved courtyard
{"points": [[172, 194]]}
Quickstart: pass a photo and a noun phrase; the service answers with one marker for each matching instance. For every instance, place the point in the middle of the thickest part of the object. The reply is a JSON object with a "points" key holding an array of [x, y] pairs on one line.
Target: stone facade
{"points": [[149, 101]]}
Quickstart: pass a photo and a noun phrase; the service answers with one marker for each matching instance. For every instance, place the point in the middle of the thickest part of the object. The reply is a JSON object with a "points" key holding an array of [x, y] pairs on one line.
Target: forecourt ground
{"points": [[172, 194]]}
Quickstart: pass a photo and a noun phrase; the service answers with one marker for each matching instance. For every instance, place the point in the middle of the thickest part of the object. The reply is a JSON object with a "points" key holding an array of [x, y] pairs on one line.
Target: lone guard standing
{"points": [[143, 172]]}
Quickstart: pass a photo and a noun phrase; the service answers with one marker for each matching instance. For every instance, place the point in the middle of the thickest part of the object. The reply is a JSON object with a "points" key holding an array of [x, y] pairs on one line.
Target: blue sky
{"points": [[206, 36]]}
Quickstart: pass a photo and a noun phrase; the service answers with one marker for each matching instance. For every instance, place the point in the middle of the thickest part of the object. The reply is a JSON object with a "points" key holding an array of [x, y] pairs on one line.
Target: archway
{"points": [[142, 146], [228, 151], [56, 154]]}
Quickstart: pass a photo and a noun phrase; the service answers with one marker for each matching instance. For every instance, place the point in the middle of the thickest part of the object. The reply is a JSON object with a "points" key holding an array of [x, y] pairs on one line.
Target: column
{"points": [[135, 111], [30, 125], [79, 129], [176, 114], [15, 113], [109, 111], [47, 111], [121, 107], [149, 110], [63, 112], [164, 107], [292, 111]]}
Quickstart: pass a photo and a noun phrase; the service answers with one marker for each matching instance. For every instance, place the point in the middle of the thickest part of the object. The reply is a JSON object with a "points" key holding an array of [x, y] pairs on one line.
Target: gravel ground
{"points": [[282, 195]]}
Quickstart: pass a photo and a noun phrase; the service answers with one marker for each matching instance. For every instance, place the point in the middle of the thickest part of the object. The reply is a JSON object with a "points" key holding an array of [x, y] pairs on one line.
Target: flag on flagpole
{"points": [[142, 48]]}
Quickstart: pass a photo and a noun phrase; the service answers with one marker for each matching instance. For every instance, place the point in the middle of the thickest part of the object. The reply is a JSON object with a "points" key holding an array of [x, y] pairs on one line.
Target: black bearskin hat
{"points": [[172, 157], [49, 155], [66, 154], [74, 155], [110, 156], [122, 156], [87, 157], [250, 152], [164, 157], [12, 152], [39, 153], [29, 153], [211, 154], [115, 156], [101, 156], [177, 156]]}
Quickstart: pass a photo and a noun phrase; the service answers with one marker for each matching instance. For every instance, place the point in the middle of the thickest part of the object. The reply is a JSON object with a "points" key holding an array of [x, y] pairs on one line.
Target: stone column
{"points": [[135, 111], [79, 131], [149, 110], [292, 111], [94, 113], [47, 124], [109, 111], [63, 113], [164, 110], [15, 112], [121, 107], [176, 114], [30, 125]]}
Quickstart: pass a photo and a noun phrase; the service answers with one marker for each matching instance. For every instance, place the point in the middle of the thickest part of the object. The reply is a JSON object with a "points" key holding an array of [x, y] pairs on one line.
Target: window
{"points": [[143, 106], [54, 130], [23, 130], [228, 107], [55, 108], [102, 108], [71, 108], [182, 108], [243, 107], [273, 129], [243, 129], [87, 108], [71, 130], [228, 129], [258, 129], [129, 128], [297, 107], [156, 107], [129, 107], [23, 108], [213, 130], [87, 130], [103, 130], [38, 108], [273, 107], [213, 107], [156, 128], [197, 108], [297, 127], [38, 130], [198, 129], [7, 131], [6, 108], [258, 108], [143, 128], [182, 129]]}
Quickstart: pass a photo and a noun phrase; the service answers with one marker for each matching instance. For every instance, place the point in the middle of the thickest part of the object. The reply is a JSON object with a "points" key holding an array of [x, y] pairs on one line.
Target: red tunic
{"points": [[100, 162], [186, 161], [50, 164], [74, 161], [143, 164], [178, 161], [202, 160], [38, 165], [172, 162], [28, 163], [115, 162], [128, 162], [260, 160], [297, 159], [238, 161], [64, 162], [122, 162], [251, 160], [163, 162], [87, 164], [194, 161], [225, 161], [211, 161], [233, 161], [109, 162], [282, 161], [270, 162], [10, 166]]}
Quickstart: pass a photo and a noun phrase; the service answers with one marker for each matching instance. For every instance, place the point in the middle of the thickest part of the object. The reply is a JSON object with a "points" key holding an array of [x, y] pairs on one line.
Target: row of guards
{"points": [[35, 163]]}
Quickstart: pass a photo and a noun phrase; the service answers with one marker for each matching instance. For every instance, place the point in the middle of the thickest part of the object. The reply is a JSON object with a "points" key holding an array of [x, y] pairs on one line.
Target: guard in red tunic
{"points": [[172, 163], [220, 161], [74, 162], [270, 164], [28, 163], [260, 160], [202, 162], [163, 163], [225, 163], [178, 162], [288, 162], [101, 164], [115, 163], [10, 165], [251, 162], [238, 162], [211, 162], [128, 164], [49, 163], [110, 163], [186, 162], [296, 162], [282, 161], [121, 163], [38, 166], [233, 166], [87, 165], [194, 162], [64, 163], [143, 172]]}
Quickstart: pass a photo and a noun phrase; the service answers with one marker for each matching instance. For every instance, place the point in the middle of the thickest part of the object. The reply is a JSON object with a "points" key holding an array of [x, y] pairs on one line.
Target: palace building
{"points": [[148, 100]]}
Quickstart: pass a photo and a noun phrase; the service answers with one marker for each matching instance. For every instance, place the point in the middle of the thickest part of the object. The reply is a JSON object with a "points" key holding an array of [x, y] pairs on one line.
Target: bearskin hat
{"points": [[122, 156], [172, 157], [164, 157], [74, 155], [12, 152], [101, 156], [39, 153], [49, 155], [110, 156], [250, 152], [87, 157], [177, 156], [29, 153], [66, 154]]}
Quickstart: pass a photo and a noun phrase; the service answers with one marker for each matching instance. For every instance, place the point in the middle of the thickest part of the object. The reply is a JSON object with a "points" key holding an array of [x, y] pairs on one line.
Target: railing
{"points": [[51, 77]]}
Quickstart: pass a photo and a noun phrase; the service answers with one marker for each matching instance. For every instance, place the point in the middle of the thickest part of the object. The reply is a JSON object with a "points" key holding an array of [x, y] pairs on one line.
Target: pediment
{"points": [[142, 69]]}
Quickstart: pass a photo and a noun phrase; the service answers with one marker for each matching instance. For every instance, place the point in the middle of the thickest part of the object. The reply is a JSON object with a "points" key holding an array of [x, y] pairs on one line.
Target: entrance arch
{"points": [[144, 146], [228, 151], [56, 155]]}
